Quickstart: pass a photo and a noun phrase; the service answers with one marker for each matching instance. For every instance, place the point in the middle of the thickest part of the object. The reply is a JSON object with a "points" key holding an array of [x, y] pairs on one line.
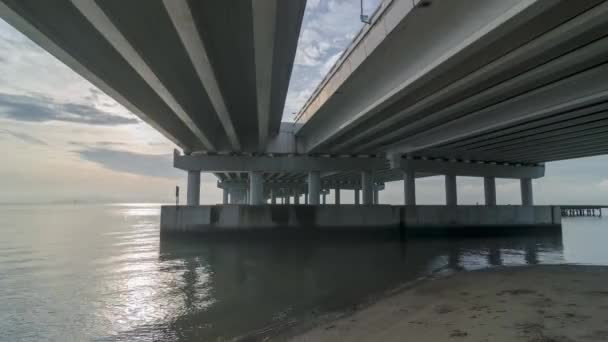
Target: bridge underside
{"points": [[493, 80], [209, 75], [492, 89]]}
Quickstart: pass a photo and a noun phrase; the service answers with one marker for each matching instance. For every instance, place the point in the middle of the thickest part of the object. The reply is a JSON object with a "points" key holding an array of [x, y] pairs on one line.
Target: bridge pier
{"points": [[367, 187], [256, 188], [314, 187], [489, 188], [527, 198], [409, 185], [451, 196], [194, 188], [357, 197], [337, 196]]}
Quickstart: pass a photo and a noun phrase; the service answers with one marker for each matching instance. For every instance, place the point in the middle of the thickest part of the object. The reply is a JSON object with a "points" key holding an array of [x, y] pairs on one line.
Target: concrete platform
{"points": [[411, 220]]}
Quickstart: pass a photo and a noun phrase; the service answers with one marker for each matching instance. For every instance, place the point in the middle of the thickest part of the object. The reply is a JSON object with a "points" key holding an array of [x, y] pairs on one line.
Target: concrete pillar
{"points": [[357, 200], [296, 197], [273, 196], [376, 196], [409, 187], [256, 188], [527, 198], [314, 187], [194, 188], [224, 196], [367, 187], [337, 196], [451, 196], [306, 196], [324, 198], [287, 198], [489, 188]]}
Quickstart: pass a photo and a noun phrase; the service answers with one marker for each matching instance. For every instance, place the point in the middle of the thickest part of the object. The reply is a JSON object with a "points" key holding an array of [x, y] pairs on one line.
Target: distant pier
{"points": [[582, 210]]}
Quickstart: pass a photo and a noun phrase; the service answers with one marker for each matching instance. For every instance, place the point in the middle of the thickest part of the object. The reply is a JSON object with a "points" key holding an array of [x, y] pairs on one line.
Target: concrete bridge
{"points": [[484, 88]]}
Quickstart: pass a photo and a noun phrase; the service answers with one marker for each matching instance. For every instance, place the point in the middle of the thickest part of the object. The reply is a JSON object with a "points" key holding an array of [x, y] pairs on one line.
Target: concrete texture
{"points": [[414, 219]]}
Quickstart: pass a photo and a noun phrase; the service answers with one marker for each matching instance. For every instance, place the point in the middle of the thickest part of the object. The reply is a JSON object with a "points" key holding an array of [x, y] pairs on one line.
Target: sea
{"points": [[102, 272]]}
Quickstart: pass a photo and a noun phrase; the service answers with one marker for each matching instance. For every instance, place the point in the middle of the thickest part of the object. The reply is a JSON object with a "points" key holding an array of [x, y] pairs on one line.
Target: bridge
{"points": [[482, 88]]}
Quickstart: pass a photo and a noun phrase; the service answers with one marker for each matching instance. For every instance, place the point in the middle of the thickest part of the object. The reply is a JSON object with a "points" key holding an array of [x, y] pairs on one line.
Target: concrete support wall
{"points": [[425, 219], [337, 196], [367, 187], [194, 188], [314, 187], [256, 187], [489, 189], [451, 196], [527, 197], [409, 187]]}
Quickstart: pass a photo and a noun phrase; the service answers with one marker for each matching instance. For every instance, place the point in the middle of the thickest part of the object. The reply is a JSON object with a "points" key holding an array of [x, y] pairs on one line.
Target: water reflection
{"points": [[231, 288]]}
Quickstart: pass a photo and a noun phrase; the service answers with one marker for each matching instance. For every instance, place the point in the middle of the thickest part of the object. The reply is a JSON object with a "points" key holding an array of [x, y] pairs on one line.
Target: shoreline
{"points": [[542, 303]]}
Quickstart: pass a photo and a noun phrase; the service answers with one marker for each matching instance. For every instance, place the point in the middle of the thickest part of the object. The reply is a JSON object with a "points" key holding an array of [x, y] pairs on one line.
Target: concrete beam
{"points": [[450, 43], [571, 93], [181, 15], [264, 25], [177, 132], [472, 169], [103, 24], [223, 163]]}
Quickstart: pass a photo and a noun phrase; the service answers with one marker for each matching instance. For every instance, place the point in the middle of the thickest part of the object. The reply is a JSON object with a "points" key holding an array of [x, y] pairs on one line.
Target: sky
{"points": [[63, 140]]}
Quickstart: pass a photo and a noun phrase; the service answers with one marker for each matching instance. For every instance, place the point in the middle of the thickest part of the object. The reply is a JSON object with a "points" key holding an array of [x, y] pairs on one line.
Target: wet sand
{"points": [[529, 303]]}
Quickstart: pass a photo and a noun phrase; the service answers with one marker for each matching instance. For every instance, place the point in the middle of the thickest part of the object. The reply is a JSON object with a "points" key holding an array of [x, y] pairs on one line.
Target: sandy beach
{"points": [[531, 303]]}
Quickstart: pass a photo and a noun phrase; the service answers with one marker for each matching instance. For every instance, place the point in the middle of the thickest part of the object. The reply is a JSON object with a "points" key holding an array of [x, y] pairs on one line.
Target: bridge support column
{"points": [[489, 188], [357, 200], [337, 196], [296, 197], [451, 196], [324, 198], [376, 196], [367, 187], [273, 197], [256, 188], [409, 187], [194, 188], [224, 196], [527, 198], [314, 187]]}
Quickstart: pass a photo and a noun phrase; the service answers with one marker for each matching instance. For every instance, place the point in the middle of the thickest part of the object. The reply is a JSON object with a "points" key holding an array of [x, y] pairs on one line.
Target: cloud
{"points": [[34, 108], [328, 28], [153, 165], [23, 137]]}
